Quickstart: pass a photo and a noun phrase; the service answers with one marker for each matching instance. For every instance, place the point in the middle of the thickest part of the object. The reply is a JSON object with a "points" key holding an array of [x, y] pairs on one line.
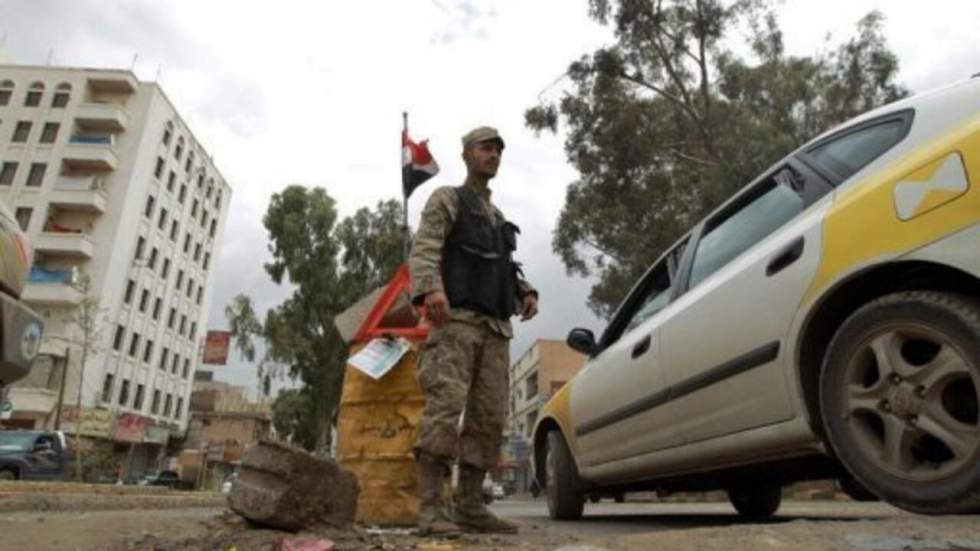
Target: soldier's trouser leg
{"points": [[483, 427], [446, 367]]}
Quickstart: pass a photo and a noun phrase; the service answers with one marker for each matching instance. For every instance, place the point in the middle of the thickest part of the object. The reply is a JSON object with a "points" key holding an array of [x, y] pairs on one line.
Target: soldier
{"points": [[462, 270]]}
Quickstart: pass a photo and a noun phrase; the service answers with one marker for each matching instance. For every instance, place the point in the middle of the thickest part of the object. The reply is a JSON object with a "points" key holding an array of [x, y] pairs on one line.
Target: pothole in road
{"points": [[863, 542]]}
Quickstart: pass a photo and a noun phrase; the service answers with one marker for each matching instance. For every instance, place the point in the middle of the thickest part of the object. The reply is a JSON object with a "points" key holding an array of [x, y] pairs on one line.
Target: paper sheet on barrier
{"points": [[379, 356]]}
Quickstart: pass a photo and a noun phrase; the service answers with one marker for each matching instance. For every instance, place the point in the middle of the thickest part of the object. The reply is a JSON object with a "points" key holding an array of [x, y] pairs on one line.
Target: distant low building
{"points": [[536, 375]]}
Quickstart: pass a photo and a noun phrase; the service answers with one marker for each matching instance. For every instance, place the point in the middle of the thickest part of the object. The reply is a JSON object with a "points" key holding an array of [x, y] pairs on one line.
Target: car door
{"points": [[44, 459], [724, 346], [627, 371]]}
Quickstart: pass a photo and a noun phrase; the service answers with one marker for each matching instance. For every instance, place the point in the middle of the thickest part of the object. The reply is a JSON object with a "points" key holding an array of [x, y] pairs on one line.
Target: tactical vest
{"points": [[477, 270]]}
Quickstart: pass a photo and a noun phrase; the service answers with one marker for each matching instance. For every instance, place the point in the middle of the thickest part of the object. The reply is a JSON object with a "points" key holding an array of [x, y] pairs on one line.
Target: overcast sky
{"points": [[298, 92]]}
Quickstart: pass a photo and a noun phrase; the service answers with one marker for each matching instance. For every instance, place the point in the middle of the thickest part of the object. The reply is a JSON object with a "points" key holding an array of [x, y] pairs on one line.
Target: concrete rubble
{"points": [[291, 489]]}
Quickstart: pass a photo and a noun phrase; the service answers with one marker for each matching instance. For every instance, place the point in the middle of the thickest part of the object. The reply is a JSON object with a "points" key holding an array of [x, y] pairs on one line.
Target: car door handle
{"points": [[641, 347], [788, 255]]}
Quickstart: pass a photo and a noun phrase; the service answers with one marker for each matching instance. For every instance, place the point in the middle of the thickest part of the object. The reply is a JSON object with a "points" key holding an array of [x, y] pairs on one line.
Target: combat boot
{"points": [[434, 519], [471, 513]]}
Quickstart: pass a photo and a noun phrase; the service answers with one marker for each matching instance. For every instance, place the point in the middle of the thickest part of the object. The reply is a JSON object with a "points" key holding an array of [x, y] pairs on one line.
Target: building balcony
{"points": [[113, 82], [36, 401], [65, 243], [90, 152], [79, 194], [51, 288], [104, 117]]}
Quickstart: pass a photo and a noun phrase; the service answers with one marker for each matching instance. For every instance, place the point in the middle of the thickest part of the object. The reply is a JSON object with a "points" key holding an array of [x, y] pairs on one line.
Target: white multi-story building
{"points": [[107, 180]]}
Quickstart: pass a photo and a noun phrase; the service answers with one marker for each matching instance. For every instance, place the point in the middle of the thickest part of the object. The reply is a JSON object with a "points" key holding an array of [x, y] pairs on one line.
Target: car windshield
{"points": [[16, 442]]}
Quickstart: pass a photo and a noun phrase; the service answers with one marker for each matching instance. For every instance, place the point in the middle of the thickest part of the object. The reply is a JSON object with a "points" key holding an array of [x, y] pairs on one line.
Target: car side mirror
{"points": [[581, 340]]}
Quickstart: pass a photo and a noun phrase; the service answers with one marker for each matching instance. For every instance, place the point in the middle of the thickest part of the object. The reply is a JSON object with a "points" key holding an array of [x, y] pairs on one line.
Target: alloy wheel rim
{"points": [[910, 402]]}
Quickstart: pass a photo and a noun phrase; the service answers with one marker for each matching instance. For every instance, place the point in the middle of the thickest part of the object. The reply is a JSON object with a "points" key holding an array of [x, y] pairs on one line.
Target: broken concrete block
{"points": [[289, 488]]}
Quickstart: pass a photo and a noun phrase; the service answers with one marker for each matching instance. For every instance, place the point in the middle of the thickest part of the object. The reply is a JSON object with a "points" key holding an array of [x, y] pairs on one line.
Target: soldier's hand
{"points": [[437, 308], [530, 307]]}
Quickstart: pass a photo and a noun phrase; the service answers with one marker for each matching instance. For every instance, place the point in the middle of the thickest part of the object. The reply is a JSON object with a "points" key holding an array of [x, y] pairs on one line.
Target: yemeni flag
{"points": [[417, 164]]}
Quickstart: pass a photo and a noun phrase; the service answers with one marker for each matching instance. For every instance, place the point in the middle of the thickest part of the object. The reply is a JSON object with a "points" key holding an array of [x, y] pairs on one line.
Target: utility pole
{"points": [[61, 390]]}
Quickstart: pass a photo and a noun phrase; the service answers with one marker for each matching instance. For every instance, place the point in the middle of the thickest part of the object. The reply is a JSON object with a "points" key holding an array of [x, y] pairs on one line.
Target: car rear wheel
{"points": [[564, 502], [756, 498], [899, 395]]}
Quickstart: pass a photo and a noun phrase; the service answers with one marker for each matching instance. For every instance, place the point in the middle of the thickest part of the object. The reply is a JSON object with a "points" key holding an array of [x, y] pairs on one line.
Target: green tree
{"points": [[666, 122], [331, 265], [291, 413]]}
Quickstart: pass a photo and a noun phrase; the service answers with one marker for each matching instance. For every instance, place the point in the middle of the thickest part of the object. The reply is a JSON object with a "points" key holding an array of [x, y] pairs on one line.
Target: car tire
{"points": [[7, 474], [855, 490], [756, 499], [899, 395], [564, 501], [619, 498]]}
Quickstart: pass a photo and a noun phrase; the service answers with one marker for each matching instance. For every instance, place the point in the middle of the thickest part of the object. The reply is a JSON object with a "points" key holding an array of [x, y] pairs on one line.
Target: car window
{"points": [[777, 201], [651, 295], [851, 152], [658, 296], [16, 442]]}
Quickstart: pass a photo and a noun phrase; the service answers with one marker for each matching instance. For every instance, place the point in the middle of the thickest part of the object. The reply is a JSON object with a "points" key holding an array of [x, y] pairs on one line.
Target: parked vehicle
{"points": [[170, 479], [20, 327], [35, 455], [822, 323]]}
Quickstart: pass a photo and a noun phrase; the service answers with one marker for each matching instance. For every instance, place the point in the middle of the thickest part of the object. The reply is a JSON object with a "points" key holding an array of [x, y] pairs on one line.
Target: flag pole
{"points": [[408, 233]]}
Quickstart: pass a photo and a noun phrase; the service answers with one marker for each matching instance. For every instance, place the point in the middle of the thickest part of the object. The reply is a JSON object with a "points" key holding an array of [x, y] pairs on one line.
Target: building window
{"points": [[204, 218], [168, 133], [148, 210], [50, 132], [183, 325], [23, 216], [193, 205], [179, 150], [187, 242], [171, 317], [36, 175], [217, 201], [187, 367], [138, 402], [144, 299], [200, 179], [61, 95], [21, 131], [158, 171], [153, 259], [180, 280], [190, 287], [193, 330], [148, 351], [155, 404], [164, 357], [130, 287], [180, 408], [168, 404], [171, 180], [200, 291], [197, 252], [207, 261], [6, 89], [175, 364], [531, 385], [107, 387], [189, 163], [124, 392], [182, 194], [174, 230], [7, 173], [117, 340], [140, 245], [134, 344], [214, 227], [166, 268], [33, 98], [162, 221], [157, 305]]}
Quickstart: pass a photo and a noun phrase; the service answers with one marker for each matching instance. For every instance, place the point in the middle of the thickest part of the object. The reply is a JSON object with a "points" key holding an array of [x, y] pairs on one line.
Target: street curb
{"points": [[22, 487], [10, 503]]}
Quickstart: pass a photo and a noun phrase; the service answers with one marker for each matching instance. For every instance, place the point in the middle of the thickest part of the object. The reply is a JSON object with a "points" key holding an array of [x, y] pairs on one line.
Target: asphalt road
{"points": [[799, 526]]}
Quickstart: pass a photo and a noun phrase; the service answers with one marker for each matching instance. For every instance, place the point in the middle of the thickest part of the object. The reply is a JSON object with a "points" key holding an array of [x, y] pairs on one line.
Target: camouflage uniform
{"points": [[465, 362]]}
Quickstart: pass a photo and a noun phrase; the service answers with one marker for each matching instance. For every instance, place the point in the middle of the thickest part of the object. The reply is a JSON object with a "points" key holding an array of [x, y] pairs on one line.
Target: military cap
{"points": [[482, 134]]}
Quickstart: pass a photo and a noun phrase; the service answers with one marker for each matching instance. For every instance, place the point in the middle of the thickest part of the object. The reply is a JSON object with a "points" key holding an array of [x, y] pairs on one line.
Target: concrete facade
{"points": [[534, 377], [109, 181]]}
